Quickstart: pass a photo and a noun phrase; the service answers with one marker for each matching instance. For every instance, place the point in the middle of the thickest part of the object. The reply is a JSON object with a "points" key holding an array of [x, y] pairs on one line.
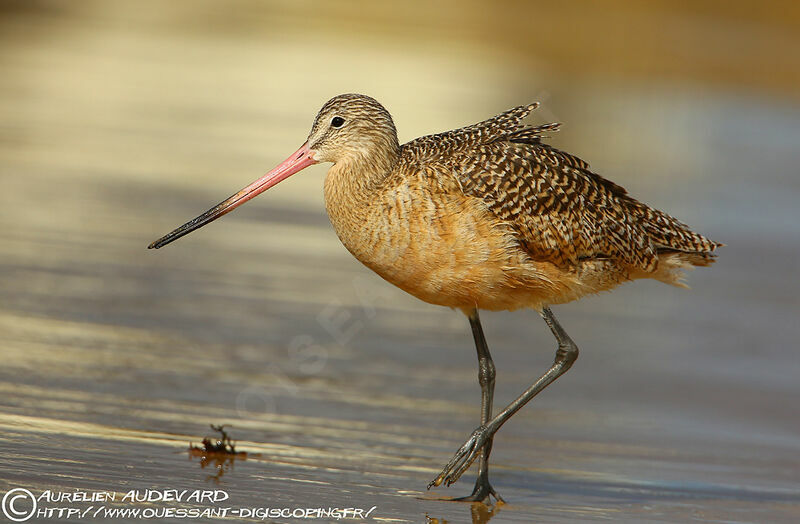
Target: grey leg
{"points": [[483, 489], [566, 355]]}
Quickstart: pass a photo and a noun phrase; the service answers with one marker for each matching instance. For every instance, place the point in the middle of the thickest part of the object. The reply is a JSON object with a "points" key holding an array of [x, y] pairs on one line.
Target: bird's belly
{"points": [[445, 253]]}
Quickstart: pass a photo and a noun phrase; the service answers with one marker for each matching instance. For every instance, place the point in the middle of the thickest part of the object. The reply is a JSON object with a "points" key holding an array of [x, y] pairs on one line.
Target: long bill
{"points": [[297, 161]]}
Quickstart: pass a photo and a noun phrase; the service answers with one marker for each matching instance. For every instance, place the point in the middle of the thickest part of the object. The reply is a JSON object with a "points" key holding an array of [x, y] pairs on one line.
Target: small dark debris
{"points": [[219, 452], [221, 445]]}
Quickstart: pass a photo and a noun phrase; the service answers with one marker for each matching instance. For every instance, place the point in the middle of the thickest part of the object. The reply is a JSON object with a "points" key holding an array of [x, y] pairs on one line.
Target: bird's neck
{"points": [[352, 187], [357, 177]]}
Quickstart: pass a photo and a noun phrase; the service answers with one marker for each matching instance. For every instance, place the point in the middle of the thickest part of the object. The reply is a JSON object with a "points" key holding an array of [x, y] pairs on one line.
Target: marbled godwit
{"points": [[482, 217]]}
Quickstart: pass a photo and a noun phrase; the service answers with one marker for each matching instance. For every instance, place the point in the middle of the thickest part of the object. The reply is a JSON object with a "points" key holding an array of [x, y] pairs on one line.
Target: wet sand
{"points": [[118, 124]]}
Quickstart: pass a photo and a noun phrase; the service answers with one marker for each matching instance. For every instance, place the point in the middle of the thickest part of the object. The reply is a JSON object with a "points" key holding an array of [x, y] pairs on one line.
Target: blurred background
{"points": [[121, 120]]}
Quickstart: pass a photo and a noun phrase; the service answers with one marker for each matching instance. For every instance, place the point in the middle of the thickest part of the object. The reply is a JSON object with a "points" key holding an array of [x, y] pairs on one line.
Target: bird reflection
{"points": [[480, 513]]}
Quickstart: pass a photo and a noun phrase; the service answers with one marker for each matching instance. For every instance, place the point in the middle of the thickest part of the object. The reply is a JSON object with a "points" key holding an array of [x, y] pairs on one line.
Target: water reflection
{"points": [[222, 464], [479, 513]]}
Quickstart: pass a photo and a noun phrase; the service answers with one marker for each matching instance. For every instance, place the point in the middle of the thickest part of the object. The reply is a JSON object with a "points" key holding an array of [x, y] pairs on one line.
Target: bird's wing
{"points": [[561, 210]]}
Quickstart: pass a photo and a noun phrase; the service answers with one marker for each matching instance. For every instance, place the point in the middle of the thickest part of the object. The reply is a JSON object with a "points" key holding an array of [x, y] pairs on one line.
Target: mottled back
{"points": [[563, 212]]}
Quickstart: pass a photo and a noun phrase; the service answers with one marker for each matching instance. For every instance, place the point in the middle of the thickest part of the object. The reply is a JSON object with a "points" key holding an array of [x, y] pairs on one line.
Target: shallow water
{"points": [[119, 121]]}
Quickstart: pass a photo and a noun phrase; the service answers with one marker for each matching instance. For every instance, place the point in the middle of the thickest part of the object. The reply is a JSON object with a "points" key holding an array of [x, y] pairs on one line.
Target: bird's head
{"points": [[354, 128]]}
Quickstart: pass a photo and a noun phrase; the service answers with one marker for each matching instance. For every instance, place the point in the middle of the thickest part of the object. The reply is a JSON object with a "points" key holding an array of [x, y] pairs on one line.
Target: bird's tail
{"points": [[672, 265]]}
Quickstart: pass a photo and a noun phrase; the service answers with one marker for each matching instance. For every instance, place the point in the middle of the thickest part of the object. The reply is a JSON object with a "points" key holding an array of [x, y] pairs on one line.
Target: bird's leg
{"points": [[483, 491], [566, 355]]}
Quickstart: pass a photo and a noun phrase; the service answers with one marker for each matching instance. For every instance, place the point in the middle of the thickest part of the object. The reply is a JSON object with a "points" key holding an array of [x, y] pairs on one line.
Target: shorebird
{"points": [[483, 217]]}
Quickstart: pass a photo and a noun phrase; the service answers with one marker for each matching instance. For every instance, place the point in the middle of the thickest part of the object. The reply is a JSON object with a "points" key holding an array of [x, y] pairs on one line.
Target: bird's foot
{"points": [[483, 492], [463, 458]]}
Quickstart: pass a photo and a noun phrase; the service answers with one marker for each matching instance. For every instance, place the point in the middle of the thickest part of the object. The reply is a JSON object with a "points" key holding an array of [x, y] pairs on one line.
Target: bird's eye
{"points": [[337, 121]]}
